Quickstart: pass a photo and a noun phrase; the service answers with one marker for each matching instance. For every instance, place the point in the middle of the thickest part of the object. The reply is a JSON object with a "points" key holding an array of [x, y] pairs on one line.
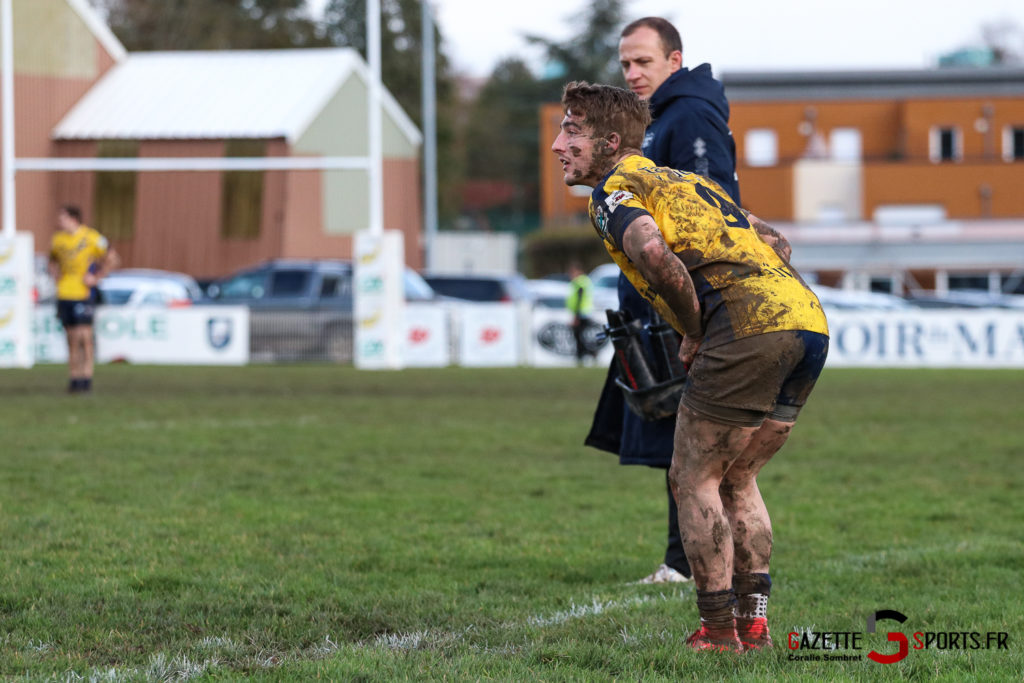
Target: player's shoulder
{"points": [[95, 237]]}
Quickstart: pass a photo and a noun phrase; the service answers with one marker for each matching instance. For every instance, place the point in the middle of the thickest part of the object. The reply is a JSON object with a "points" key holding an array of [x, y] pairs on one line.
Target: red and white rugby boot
{"points": [[753, 632], [719, 640]]}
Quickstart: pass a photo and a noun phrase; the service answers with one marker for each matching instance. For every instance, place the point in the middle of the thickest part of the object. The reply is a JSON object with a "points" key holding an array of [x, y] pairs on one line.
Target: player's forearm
{"points": [[110, 262], [647, 249]]}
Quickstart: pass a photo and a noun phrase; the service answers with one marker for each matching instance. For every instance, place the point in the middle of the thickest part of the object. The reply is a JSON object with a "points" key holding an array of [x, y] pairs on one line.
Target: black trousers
{"points": [[675, 556], [579, 323]]}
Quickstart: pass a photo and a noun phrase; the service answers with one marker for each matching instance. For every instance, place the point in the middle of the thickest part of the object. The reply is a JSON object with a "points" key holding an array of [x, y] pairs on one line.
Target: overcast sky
{"points": [[741, 35]]}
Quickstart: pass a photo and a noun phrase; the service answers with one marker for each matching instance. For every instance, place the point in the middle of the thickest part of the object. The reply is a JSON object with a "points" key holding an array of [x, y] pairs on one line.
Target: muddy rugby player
{"points": [[755, 340]]}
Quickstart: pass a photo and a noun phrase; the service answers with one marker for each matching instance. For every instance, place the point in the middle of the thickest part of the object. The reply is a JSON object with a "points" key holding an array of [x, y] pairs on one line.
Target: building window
{"points": [[1013, 143], [114, 201], [242, 198], [761, 147], [978, 281], [946, 144], [844, 144]]}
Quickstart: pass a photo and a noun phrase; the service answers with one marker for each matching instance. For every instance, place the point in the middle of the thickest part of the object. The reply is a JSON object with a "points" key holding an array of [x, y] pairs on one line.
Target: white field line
{"points": [[208, 422], [162, 667], [182, 668]]}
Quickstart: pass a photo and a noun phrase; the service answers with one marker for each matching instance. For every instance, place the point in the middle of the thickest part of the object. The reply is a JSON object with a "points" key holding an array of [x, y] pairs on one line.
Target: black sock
{"points": [[74, 385], [87, 384], [716, 608]]}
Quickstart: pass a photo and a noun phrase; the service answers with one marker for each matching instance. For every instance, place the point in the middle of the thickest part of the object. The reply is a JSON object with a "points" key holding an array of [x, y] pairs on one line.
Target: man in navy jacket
{"points": [[690, 132]]}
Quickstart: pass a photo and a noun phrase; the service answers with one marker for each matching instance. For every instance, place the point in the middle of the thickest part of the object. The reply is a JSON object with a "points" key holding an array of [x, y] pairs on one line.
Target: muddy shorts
{"points": [[766, 376]]}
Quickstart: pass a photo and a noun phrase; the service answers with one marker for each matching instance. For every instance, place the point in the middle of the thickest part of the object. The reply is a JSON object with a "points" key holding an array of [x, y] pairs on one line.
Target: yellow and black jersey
{"points": [[75, 252], [744, 287]]}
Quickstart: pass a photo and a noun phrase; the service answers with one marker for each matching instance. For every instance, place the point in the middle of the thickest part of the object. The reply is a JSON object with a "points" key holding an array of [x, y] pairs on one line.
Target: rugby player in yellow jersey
{"points": [[79, 258], [755, 340]]}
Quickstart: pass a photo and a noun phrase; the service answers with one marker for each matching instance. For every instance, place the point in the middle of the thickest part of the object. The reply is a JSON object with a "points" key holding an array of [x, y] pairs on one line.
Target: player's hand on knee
{"points": [[688, 350]]}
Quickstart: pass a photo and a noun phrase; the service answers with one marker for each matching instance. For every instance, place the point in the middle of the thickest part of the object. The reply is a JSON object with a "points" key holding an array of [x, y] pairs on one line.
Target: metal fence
{"points": [[300, 336]]}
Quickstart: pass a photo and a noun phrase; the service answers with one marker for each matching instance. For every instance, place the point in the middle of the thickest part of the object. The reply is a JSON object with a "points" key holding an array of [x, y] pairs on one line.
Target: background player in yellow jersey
{"points": [[79, 258], [755, 340]]}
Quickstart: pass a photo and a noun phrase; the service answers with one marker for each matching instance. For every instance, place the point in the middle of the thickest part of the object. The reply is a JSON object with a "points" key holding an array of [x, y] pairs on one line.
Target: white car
{"points": [[548, 293], [44, 289], [149, 287], [857, 300], [605, 279]]}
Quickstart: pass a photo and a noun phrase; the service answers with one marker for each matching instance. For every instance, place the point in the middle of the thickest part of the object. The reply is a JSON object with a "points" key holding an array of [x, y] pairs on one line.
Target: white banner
{"points": [[488, 335], [427, 338], [197, 335], [968, 338], [16, 282], [379, 299]]}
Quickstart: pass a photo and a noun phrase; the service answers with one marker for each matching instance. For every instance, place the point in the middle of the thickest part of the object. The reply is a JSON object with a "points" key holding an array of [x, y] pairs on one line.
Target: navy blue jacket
{"points": [[690, 132]]}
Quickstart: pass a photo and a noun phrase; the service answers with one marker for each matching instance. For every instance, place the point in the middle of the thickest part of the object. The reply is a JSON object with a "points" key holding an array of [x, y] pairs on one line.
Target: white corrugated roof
{"points": [[222, 94]]}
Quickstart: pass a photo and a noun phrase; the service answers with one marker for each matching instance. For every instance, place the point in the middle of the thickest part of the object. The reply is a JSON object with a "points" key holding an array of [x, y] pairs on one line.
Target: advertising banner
{"points": [[488, 335], [16, 283], [427, 337], [962, 338], [379, 300], [552, 343], [197, 335]]}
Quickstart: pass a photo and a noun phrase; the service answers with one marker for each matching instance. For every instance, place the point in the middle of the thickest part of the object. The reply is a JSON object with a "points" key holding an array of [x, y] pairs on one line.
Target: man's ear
{"points": [[614, 141], [675, 61]]}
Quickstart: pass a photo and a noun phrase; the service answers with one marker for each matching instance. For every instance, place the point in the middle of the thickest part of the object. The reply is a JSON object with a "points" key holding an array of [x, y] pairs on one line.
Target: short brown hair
{"points": [[670, 39], [607, 109], [72, 211]]}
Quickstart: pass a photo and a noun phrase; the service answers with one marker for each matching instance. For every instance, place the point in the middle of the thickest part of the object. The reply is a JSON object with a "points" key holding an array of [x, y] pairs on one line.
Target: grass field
{"points": [[296, 522]]}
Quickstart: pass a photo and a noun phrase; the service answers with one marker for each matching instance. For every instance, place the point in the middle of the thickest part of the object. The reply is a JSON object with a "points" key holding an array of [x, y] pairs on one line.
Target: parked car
{"points": [[44, 289], [481, 288], [548, 293], [857, 300], [605, 279], [301, 309], [149, 287]]}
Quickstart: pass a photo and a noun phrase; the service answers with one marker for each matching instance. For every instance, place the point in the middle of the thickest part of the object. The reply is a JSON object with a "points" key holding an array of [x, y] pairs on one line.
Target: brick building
{"points": [[78, 94], [890, 180]]}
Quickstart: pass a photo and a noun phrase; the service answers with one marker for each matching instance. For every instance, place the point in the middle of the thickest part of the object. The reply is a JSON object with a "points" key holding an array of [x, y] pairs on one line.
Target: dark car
{"points": [[481, 288], [300, 309]]}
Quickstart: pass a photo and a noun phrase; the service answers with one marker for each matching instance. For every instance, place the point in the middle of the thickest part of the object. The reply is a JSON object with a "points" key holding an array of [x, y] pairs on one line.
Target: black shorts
{"points": [[766, 376], [74, 313]]}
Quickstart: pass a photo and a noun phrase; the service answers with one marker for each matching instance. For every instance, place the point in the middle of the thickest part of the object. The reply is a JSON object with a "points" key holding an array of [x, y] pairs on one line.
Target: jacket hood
{"points": [[697, 82]]}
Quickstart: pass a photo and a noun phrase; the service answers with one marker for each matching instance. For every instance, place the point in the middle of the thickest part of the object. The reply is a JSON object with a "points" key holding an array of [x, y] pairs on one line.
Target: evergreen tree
{"points": [[593, 54], [344, 25], [143, 25], [502, 132]]}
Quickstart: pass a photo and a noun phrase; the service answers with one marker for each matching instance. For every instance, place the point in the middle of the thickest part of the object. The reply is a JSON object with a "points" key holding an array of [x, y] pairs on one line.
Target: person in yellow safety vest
{"points": [[580, 302]]}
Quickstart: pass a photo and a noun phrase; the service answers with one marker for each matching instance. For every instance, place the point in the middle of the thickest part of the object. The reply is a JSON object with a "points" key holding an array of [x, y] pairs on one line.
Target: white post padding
{"points": [[17, 280], [379, 299]]}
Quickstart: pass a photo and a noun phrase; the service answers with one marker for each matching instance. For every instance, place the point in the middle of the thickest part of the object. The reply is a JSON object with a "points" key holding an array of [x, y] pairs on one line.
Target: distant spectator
{"points": [[581, 304]]}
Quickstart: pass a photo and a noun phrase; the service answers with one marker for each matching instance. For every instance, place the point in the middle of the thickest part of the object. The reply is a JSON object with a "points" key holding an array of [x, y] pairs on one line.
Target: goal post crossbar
{"points": [[192, 164]]}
